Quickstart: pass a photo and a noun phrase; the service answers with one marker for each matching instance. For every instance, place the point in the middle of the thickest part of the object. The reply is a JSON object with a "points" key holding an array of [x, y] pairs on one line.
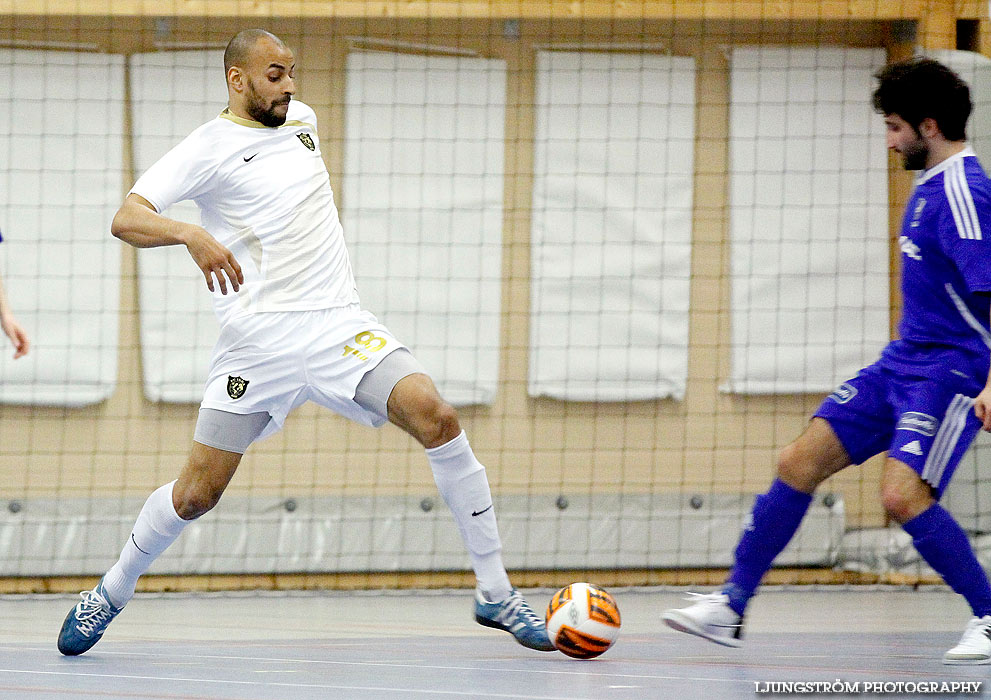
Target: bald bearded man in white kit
{"points": [[292, 330]]}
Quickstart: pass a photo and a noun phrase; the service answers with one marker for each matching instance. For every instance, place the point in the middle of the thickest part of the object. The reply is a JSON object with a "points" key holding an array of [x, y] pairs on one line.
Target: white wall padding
{"points": [[423, 207], [257, 534], [61, 118], [808, 218], [173, 93], [611, 228]]}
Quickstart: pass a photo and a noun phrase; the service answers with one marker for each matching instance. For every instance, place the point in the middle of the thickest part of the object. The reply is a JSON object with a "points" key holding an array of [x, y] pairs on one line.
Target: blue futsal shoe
{"points": [[87, 621], [515, 616]]}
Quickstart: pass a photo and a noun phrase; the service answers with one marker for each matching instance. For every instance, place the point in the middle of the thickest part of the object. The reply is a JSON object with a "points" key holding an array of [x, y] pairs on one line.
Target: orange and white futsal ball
{"points": [[583, 620]]}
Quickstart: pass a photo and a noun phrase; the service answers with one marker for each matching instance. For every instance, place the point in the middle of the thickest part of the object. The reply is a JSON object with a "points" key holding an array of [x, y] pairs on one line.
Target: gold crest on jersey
{"points": [[236, 386], [307, 141]]}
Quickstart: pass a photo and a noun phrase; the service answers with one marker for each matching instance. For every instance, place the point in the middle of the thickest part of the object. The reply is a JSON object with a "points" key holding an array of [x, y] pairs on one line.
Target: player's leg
{"points": [[851, 425], [910, 488], [937, 537], [776, 515], [416, 407], [411, 401], [162, 519]]}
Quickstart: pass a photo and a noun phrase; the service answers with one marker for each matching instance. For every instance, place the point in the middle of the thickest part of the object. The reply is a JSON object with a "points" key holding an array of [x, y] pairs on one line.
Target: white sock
{"points": [[462, 483], [157, 526]]}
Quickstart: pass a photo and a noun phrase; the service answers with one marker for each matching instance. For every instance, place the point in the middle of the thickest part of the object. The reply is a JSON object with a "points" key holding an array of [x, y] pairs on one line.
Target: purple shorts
{"points": [[926, 422]]}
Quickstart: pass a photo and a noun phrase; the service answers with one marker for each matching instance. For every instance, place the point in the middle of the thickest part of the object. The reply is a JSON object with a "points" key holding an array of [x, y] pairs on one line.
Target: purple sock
{"points": [[774, 519], [944, 545]]}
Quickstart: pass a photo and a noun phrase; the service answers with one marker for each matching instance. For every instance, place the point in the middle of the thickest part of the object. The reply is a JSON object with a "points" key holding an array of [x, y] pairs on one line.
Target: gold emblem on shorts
{"points": [[236, 387], [307, 141]]}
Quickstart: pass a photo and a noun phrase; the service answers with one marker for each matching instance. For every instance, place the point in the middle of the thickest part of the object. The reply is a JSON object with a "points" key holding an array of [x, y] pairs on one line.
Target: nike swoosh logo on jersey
{"points": [[247, 158], [473, 513]]}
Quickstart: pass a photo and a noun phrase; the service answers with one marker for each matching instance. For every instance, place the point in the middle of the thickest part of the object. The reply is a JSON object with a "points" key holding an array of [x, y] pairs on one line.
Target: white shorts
{"points": [[278, 360]]}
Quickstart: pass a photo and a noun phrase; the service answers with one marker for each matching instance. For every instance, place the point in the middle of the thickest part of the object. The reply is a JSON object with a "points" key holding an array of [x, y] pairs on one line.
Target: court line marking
{"points": [[473, 693], [575, 672], [690, 661], [79, 692]]}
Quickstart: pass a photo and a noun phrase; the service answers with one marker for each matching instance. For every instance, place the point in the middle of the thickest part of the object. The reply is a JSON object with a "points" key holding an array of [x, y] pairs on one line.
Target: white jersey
{"points": [[264, 193]]}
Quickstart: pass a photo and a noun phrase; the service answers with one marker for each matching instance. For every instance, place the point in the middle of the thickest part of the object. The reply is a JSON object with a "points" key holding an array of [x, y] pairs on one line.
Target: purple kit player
{"points": [[928, 394]]}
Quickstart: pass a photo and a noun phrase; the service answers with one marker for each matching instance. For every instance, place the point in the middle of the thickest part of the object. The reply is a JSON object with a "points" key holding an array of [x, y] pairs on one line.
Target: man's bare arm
{"points": [[138, 224]]}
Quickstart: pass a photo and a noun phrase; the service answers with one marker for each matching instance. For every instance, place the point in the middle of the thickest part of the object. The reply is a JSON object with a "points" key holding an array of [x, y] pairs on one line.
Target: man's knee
{"points": [[203, 481], [416, 407], [895, 504], [439, 424], [796, 470], [811, 459], [194, 500], [904, 494]]}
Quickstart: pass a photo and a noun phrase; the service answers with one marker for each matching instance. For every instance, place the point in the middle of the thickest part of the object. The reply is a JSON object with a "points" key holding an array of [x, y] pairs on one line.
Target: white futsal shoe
{"points": [[974, 646], [710, 617]]}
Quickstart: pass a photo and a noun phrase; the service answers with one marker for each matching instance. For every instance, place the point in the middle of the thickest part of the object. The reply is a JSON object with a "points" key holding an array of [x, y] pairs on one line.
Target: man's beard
{"points": [[916, 155], [266, 115]]}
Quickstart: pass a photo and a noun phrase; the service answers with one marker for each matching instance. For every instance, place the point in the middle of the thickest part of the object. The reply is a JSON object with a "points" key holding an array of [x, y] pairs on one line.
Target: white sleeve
{"points": [[185, 172], [308, 116]]}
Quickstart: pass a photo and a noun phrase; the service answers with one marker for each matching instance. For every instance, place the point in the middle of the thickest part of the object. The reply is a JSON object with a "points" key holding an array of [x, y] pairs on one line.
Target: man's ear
{"points": [[235, 78], [929, 128]]}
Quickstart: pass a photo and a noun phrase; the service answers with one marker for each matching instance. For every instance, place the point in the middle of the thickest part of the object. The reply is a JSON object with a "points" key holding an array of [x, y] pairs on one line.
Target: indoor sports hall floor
{"points": [[380, 646]]}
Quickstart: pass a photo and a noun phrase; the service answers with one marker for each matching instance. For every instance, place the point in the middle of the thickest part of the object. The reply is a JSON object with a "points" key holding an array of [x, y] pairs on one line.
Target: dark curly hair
{"points": [[919, 88]]}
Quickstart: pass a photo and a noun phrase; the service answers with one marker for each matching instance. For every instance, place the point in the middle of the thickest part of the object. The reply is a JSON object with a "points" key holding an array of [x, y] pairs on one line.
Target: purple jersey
{"points": [[946, 270]]}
